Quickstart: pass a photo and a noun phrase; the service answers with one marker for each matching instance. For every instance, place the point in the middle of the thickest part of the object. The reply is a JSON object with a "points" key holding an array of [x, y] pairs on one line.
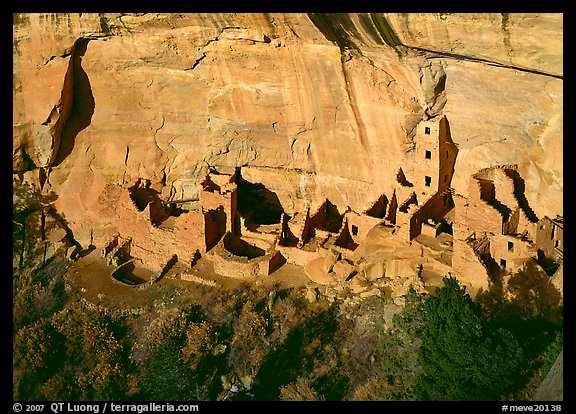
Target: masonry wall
{"points": [[403, 225], [468, 269], [434, 158], [189, 233], [448, 152], [435, 208], [154, 245], [300, 227], [504, 187], [392, 209], [525, 225], [510, 226], [214, 225], [238, 267], [421, 166], [428, 229], [460, 228], [215, 201], [270, 263], [480, 216], [359, 225], [484, 219], [550, 237], [511, 249]]}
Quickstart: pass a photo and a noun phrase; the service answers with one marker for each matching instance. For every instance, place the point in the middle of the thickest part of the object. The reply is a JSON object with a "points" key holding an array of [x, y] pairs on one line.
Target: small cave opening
{"points": [[257, 204]]}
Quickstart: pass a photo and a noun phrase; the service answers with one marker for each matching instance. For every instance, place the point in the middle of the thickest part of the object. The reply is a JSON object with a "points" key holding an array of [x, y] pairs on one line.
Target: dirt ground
{"points": [[90, 278]]}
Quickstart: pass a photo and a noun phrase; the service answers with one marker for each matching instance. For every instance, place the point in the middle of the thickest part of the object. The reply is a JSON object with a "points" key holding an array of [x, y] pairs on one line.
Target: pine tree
{"points": [[460, 359]]}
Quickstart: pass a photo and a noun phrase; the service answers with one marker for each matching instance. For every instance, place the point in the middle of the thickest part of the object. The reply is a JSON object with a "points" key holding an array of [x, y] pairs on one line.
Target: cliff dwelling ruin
{"points": [[287, 205], [244, 232], [341, 163]]}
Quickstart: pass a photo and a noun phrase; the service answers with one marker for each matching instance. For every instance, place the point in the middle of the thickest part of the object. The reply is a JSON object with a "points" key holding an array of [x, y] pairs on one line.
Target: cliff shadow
{"points": [[297, 355], [528, 295], [519, 194], [378, 209], [328, 218], [83, 104]]}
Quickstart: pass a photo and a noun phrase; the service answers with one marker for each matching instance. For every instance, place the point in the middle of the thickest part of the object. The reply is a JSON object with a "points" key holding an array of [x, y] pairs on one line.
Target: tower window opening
{"points": [[428, 155], [427, 181], [503, 262], [354, 230], [510, 246], [427, 130]]}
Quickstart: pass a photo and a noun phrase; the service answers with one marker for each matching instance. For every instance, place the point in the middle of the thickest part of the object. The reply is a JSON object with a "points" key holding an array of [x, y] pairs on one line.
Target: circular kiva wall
{"points": [[132, 273], [236, 258]]}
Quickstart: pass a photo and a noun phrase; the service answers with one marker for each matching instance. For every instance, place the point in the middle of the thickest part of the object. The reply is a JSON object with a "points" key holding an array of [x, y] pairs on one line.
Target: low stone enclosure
{"points": [[241, 228], [131, 271]]}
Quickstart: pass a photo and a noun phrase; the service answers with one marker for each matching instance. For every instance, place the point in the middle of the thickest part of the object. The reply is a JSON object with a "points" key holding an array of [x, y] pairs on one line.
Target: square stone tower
{"points": [[434, 159]]}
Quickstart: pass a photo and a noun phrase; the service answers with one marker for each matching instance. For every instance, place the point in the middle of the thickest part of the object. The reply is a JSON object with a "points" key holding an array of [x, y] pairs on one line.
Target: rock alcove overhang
{"points": [[314, 106]]}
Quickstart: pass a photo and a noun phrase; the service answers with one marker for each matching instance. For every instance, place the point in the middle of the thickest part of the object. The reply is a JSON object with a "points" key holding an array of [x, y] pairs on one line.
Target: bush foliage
{"points": [[274, 345]]}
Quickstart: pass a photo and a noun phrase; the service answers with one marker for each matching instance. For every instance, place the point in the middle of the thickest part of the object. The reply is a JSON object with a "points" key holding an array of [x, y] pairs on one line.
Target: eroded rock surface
{"points": [[313, 107]]}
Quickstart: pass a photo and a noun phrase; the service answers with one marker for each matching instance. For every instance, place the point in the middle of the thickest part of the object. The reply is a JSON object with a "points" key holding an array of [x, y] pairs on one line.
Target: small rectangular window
{"points": [[427, 130], [510, 246], [427, 181], [354, 230], [503, 262], [428, 155]]}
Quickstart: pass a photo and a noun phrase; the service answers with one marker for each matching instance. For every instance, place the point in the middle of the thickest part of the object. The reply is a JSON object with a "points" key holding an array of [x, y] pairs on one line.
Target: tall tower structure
{"points": [[434, 159]]}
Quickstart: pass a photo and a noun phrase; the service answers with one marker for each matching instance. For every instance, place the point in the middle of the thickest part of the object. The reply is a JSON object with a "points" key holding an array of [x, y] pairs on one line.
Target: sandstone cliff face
{"points": [[311, 106]]}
